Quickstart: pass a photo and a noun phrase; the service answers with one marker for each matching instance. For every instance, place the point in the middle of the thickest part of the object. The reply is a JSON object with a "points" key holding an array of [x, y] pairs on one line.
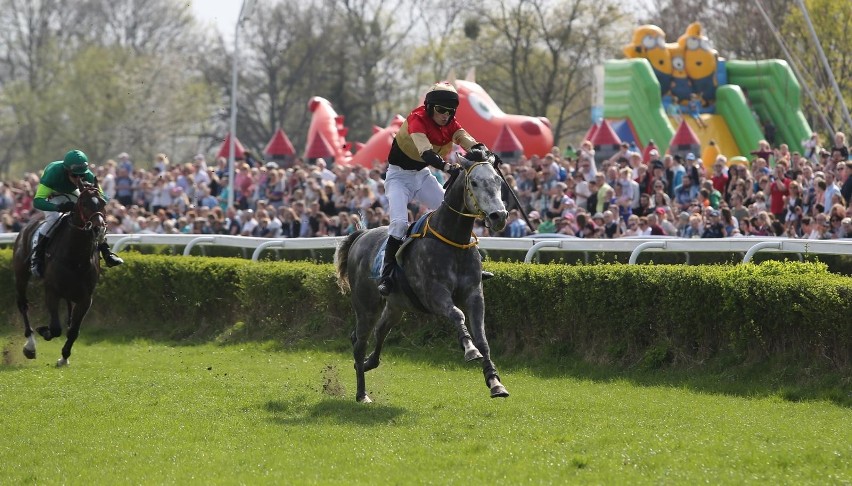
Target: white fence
{"points": [[530, 245]]}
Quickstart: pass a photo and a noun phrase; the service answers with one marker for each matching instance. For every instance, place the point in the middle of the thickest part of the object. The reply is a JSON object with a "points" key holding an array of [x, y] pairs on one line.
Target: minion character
{"points": [[700, 59], [681, 87], [649, 42]]}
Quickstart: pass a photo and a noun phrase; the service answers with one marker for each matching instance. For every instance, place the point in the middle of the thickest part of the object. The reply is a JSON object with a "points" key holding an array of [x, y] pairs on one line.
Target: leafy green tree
{"points": [[129, 85], [832, 22]]}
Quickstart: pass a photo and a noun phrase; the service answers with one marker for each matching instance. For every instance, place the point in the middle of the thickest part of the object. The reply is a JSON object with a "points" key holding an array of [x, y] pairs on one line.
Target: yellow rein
{"points": [[428, 229]]}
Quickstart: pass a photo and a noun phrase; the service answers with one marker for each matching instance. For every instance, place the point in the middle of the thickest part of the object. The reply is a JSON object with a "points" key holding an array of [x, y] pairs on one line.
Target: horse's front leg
{"points": [[77, 314], [475, 306], [470, 352], [69, 306]]}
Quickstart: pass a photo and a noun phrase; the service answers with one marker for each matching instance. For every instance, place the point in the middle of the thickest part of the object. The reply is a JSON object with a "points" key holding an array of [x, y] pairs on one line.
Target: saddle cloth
{"points": [[414, 228]]}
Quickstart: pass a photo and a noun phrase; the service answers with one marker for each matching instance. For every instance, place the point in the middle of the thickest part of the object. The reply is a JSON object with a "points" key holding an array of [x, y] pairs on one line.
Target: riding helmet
{"points": [[76, 161], [443, 94]]}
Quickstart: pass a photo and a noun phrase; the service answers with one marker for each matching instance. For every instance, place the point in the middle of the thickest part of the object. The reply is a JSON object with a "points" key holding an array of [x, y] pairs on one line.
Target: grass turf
{"points": [[147, 412]]}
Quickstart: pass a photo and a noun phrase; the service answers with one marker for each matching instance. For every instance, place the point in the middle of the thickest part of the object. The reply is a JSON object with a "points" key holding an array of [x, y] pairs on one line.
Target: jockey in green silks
{"points": [[56, 194]]}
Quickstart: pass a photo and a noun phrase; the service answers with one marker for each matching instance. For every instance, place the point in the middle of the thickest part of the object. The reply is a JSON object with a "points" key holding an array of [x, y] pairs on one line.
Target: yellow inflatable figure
{"points": [[700, 59], [681, 87], [649, 42]]}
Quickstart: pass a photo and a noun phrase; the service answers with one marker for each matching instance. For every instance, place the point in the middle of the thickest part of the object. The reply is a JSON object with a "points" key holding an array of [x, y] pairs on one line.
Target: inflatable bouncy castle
{"points": [[663, 84]]}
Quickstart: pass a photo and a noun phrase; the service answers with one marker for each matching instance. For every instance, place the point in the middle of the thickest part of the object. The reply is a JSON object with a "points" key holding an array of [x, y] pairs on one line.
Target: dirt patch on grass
{"points": [[331, 384]]}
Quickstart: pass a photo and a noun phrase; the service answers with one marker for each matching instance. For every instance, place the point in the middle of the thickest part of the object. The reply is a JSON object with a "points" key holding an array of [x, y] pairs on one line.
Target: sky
{"points": [[221, 14]]}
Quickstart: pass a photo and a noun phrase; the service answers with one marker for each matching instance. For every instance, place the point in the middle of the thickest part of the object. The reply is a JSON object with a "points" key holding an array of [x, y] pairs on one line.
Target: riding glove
{"points": [[433, 159], [65, 207], [478, 153]]}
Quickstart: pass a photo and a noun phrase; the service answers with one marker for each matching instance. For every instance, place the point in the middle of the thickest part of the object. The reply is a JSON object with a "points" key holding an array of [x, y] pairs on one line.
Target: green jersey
{"points": [[55, 181]]}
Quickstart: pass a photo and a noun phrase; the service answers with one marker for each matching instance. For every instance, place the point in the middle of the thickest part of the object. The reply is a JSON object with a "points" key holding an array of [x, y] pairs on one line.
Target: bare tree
{"points": [[540, 55]]}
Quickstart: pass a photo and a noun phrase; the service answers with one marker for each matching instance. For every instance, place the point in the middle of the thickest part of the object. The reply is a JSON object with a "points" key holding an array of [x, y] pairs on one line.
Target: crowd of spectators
{"points": [[777, 193]]}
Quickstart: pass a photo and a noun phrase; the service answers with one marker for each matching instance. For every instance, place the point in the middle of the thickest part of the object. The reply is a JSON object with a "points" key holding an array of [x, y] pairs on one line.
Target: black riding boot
{"points": [[386, 281], [37, 257], [486, 275], [110, 258]]}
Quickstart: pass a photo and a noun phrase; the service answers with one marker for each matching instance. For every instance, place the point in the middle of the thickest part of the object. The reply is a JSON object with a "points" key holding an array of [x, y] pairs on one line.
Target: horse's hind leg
{"points": [[23, 307], [77, 316], [387, 320], [359, 350], [55, 328], [364, 318]]}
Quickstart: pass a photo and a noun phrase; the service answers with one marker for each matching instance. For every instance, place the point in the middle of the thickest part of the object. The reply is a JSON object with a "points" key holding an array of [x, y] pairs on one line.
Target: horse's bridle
{"points": [[88, 224], [427, 229], [469, 190]]}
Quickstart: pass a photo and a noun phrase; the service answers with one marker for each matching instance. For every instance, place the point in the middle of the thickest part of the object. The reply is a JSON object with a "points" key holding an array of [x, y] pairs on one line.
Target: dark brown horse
{"points": [[71, 268]]}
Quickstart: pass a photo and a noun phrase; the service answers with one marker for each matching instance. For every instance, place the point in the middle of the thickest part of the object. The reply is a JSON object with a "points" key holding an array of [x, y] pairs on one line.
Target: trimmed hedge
{"points": [[630, 315], [661, 313]]}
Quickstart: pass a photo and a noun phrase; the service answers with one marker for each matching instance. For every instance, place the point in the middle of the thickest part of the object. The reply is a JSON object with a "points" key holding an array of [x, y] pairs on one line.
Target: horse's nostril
{"points": [[498, 215]]}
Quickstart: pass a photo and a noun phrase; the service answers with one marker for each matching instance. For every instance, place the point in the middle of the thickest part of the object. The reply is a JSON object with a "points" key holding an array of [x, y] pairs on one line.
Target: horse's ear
{"points": [[464, 161]]}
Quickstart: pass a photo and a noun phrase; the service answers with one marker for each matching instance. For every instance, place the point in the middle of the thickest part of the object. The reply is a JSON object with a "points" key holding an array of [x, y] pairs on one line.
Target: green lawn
{"points": [[144, 412]]}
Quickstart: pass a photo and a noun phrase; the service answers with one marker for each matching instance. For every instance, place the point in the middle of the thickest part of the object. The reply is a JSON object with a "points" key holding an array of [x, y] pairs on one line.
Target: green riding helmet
{"points": [[76, 162]]}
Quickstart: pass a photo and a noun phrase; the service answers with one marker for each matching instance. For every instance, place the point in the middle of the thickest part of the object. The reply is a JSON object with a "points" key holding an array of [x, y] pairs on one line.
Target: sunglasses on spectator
{"points": [[443, 110]]}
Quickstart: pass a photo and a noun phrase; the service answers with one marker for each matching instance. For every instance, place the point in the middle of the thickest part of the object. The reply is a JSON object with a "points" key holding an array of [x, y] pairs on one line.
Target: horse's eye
{"points": [[474, 183]]}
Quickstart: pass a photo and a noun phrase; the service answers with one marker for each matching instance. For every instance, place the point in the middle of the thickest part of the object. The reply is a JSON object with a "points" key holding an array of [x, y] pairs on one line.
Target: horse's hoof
{"points": [[29, 353], [364, 399], [499, 391], [472, 354], [45, 333], [64, 362]]}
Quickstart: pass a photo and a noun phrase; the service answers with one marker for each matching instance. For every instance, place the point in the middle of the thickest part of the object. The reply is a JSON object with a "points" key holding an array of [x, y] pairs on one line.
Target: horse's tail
{"points": [[341, 260]]}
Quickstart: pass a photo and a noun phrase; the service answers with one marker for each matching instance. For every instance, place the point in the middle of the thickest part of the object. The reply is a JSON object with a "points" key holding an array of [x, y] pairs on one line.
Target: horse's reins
{"points": [[497, 163]]}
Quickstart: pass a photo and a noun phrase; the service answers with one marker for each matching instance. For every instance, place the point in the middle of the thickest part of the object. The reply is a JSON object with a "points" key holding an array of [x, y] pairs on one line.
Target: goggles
{"points": [[443, 110]]}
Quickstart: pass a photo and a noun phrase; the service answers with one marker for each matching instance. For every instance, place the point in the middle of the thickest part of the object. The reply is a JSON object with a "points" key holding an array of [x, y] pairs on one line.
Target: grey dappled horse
{"points": [[443, 269], [71, 269]]}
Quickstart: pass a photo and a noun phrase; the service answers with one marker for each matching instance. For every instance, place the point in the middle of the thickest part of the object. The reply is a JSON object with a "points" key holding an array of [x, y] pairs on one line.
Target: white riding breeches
{"points": [[403, 186]]}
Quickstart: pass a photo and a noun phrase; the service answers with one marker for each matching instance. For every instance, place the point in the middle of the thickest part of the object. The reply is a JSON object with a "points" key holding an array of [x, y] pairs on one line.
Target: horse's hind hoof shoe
{"points": [[29, 353], [499, 391], [365, 399], [472, 355]]}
